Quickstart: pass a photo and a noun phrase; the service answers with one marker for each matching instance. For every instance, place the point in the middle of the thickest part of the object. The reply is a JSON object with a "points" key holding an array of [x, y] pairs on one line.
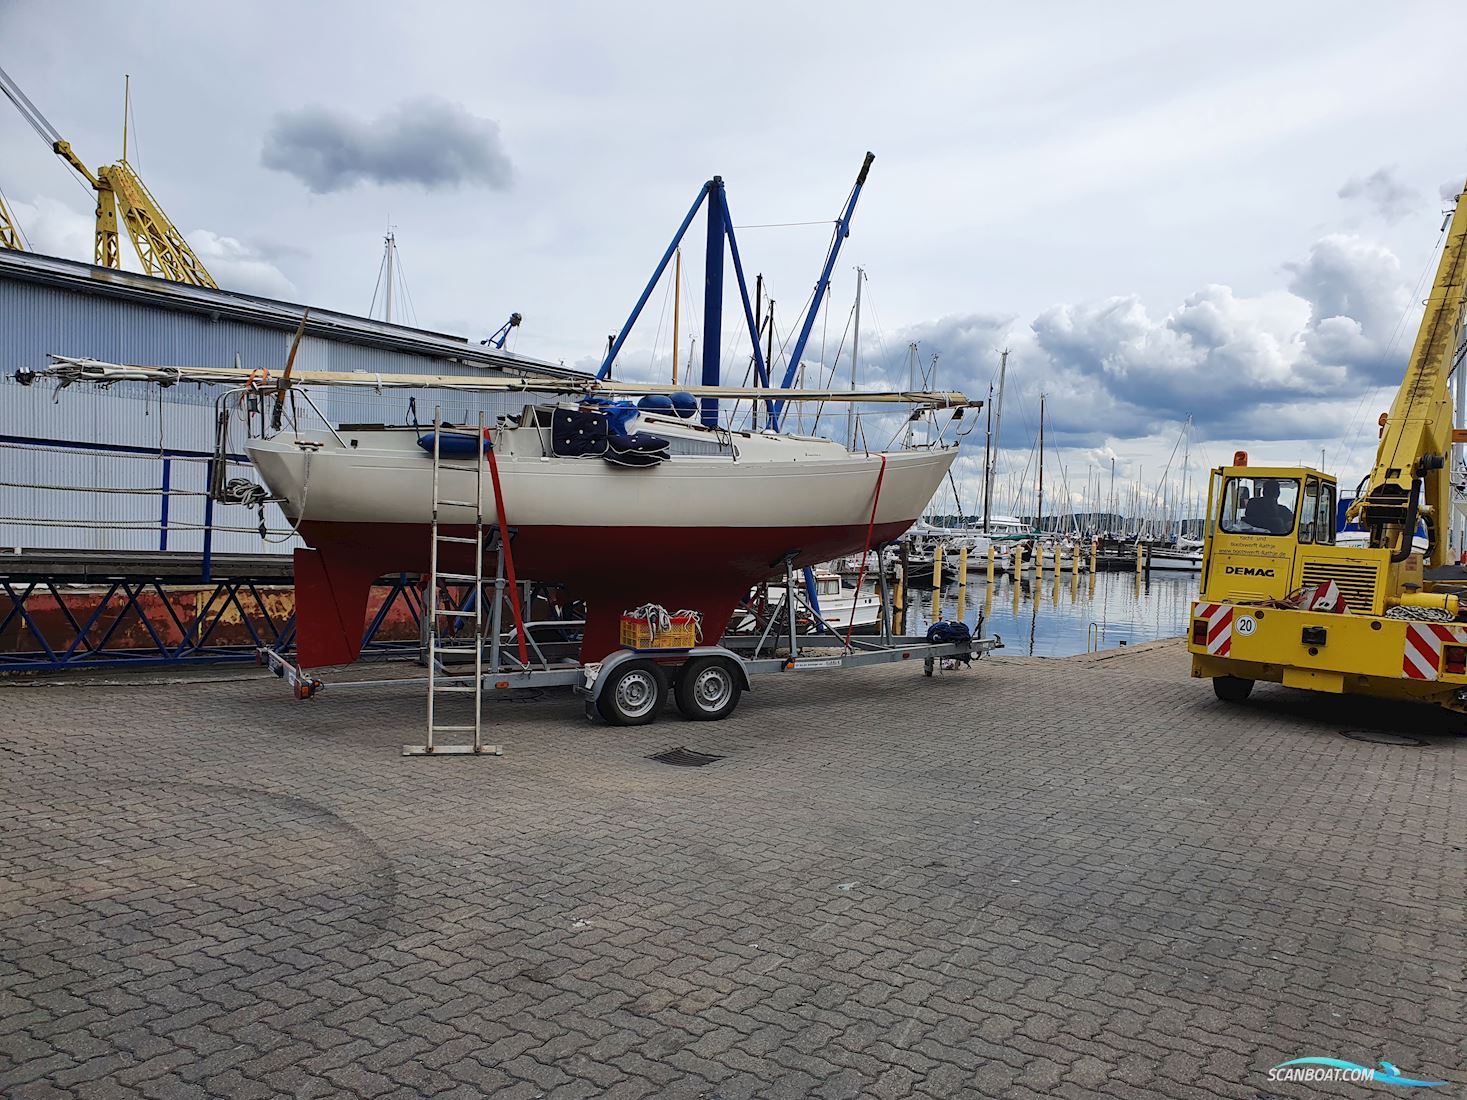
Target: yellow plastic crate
{"points": [[639, 633]]}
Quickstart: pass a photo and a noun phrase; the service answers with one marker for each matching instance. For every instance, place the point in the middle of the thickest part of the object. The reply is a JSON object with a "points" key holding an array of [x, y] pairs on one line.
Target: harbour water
{"points": [[1047, 619]]}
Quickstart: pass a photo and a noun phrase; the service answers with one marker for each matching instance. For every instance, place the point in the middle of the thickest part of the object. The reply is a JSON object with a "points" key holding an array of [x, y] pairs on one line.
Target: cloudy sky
{"points": [[1225, 217]]}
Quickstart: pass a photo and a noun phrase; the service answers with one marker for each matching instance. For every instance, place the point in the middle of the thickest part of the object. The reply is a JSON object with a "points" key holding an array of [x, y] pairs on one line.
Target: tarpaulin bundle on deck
{"points": [[602, 433]]}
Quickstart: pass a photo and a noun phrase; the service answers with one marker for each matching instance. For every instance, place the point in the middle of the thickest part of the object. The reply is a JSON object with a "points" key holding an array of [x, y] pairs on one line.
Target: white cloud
{"points": [[1279, 372], [238, 266], [55, 229]]}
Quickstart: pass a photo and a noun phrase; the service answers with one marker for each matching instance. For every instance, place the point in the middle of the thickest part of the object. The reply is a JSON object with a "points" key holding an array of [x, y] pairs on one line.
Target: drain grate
{"points": [[682, 757], [1377, 737]]}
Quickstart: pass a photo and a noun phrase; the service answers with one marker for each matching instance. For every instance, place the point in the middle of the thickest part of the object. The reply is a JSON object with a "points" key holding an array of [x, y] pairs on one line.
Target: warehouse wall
{"points": [[56, 497]]}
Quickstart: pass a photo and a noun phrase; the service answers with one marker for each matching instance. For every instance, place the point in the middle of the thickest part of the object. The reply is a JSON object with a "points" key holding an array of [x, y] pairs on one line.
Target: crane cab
{"points": [[1271, 533], [1261, 522], [1269, 550]]}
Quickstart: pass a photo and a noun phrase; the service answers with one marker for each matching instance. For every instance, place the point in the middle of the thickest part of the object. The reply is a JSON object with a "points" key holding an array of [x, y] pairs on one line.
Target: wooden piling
{"points": [[962, 582], [899, 597]]}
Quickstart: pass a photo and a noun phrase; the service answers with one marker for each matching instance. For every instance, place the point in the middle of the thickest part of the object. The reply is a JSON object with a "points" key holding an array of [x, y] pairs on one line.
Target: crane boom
{"points": [[161, 248], [1411, 479], [9, 231]]}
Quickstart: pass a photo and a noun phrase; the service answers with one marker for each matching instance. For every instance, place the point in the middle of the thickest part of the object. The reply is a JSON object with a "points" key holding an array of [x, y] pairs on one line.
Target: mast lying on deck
{"points": [[68, 370]]}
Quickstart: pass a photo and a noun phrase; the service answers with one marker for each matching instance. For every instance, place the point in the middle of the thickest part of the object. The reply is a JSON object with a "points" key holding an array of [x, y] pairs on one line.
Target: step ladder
{"points": [[444, 619]]}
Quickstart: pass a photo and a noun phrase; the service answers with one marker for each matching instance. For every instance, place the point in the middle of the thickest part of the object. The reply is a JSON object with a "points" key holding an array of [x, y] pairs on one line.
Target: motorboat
{"points": [[1177, 559], [839, 606]]}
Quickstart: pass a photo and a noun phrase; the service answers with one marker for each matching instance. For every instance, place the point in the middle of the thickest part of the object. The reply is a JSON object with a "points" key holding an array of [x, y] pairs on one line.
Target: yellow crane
{"points": [[161, 248], [9, 232], [1282, 602]]}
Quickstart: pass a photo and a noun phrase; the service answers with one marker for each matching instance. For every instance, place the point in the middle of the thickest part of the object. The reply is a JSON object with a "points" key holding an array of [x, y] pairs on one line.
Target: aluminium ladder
{"points": [[439, 605]]}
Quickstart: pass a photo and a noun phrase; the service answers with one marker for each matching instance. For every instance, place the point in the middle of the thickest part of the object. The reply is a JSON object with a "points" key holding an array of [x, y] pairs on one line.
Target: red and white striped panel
{"points": [[1424, 641], [1219, 619]]}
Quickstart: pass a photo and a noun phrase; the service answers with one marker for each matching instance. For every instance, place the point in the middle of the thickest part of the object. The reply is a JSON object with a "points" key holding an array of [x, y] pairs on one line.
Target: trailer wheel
{"points": [[708, 689], [633, 693], [1231, 689]]}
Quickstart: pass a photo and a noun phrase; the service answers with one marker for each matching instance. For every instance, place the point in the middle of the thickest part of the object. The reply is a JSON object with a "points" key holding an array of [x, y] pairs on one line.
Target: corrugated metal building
{"points": [[85, 468]]}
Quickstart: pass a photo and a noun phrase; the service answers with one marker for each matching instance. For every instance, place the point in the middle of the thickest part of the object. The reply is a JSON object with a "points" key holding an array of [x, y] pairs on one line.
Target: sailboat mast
{"points": [[1186, 455], [759, 321], [677, 301], [389, 277], [988, 462], [769, 340], [855, 358], [1040, 517], [1111, 504], [1003, 365]]}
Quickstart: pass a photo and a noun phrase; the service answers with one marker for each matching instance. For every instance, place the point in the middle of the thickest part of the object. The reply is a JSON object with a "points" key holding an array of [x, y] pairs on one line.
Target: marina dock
{"points": [[1034, 877]]}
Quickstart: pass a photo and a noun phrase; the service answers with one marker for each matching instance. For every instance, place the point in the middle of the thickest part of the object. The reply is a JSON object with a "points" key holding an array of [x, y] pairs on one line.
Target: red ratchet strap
{"points": [[870, 527]]}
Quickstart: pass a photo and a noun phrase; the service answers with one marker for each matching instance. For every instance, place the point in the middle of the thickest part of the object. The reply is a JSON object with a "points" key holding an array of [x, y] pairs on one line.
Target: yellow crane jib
{"points": [[1411, 479], [160, 247], [9, 233]]}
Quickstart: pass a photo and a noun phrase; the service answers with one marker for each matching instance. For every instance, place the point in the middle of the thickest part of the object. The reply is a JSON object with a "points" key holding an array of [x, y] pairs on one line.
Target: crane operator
{"points": [[1266, 513]]}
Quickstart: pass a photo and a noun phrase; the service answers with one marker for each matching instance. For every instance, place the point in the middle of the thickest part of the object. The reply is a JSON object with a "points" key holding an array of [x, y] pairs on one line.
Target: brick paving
{"points": [[1070, 878]]}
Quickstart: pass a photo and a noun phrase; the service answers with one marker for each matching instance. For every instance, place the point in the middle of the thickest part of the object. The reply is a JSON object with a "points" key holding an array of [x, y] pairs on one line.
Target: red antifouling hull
{"points": [[613, 569]]}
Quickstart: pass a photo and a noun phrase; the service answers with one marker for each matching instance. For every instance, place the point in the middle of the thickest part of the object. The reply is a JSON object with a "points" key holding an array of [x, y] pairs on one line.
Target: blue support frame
{"points": [[842, 231], [761, 368], [713, 298], [677, 238], [720, 226], [814, 597]]}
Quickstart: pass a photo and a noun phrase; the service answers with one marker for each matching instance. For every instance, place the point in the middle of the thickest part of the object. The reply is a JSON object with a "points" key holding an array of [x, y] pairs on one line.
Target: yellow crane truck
{"points": [[1281, 602]]}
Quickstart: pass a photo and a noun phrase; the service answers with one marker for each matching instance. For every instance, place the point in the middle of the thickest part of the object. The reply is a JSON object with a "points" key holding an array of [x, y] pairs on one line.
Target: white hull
{"points": [[1174, 561], [382, 476], [837, 611]]}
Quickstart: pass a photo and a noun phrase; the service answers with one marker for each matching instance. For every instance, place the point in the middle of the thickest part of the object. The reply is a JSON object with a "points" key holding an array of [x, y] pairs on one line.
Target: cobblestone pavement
{"points": [[1032, 878]]}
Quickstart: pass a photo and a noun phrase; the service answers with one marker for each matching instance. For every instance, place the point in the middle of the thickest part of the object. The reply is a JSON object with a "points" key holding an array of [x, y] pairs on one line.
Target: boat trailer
{"points": [[631, 686]]}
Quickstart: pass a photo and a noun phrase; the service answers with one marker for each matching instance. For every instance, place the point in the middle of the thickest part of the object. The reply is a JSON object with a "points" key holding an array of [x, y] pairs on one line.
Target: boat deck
{"points": [[1033, 878]]}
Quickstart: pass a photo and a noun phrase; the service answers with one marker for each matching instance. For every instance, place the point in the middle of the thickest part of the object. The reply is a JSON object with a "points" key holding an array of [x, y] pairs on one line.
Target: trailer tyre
{"points": [[633, 694], [708, 689], [1231, 689]]}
